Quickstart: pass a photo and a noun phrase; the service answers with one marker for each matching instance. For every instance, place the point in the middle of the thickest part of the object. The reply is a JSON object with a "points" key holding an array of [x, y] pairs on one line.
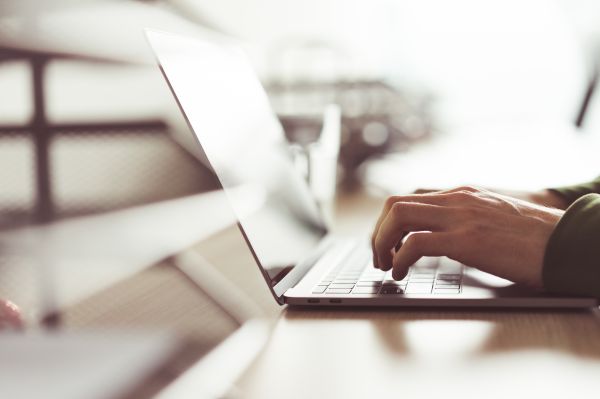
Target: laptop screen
{"points": [[229, 113]]}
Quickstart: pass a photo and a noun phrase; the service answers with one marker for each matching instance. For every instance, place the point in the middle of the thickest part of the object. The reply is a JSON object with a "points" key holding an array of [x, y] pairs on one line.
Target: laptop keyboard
{"points": [[356, 275]]}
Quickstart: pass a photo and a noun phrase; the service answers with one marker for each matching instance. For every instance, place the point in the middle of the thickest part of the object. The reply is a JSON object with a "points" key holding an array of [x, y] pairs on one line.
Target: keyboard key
{"points": [[446, 291], [446, 282], [447, 265], [449, 276], [365, 290], [341, 285], [338, 290], [421, 279], [420, 273], [447, 286], [395, 283], [319, 289], [344, 281], [391, 290], [419, 288], [368, 284], [427, 262], [373, 277], [378, 279], [390, 281]]}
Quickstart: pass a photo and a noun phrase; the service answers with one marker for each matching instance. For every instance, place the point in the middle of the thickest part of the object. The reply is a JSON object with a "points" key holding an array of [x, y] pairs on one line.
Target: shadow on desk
{"points": [[474, 331]]}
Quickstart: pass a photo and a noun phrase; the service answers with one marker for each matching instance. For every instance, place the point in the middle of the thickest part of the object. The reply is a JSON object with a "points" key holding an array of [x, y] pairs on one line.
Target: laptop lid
{"points": [[229, 113]]}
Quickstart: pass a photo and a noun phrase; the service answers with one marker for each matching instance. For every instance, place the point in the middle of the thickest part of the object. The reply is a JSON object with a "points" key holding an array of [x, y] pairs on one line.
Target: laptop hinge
{"points": [[303, 267]]}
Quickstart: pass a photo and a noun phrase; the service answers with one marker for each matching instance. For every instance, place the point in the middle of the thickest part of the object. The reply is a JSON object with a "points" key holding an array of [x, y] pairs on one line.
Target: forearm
{"points": [[549, 198]]}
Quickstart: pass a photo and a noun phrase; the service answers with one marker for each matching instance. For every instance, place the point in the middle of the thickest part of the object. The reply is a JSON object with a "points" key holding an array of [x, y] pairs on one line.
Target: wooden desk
{"points": [[377, 353]]}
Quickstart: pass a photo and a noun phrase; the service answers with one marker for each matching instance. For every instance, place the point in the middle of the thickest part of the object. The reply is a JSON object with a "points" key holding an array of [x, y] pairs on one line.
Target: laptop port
{"points": [[314, 301], [335, 301]]}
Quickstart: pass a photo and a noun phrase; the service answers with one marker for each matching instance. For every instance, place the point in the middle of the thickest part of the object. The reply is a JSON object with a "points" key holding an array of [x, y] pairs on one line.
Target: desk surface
{"points": [[375, 353], [378, 352]]}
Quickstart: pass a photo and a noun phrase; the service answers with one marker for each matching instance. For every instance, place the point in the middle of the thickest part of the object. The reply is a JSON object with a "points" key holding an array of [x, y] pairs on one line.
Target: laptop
{"points": [[243, 143]]}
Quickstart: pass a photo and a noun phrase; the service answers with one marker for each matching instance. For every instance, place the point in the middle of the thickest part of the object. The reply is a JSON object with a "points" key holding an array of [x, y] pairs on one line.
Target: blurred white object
{"points": [[323, 157], [223, 292], [81, 256], [98, 30], [215, 375], [98, 365], [526, 156]]}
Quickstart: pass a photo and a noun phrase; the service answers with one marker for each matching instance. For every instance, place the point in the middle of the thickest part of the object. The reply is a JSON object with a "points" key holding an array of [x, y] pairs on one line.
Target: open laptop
{"points": [[243, 142]]}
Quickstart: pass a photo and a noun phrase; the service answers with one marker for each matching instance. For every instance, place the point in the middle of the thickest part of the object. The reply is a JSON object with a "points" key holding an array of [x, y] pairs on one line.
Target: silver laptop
{"points": [[243, 142]]}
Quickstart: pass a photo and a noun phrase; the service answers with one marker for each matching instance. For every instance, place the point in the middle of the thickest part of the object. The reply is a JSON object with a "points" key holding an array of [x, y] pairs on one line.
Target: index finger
{"points": [[430, 198], [406, 217]]}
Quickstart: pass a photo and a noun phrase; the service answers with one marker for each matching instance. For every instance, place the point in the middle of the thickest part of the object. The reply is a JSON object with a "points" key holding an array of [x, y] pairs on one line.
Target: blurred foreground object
{"points": [[49, 267], [216, 374], [92, 365], [10, 316], [81, 34]]}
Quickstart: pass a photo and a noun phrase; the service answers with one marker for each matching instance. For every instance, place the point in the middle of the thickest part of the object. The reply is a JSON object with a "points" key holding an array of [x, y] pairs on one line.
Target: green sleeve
{"points": [[572, 193], [572, 257]]}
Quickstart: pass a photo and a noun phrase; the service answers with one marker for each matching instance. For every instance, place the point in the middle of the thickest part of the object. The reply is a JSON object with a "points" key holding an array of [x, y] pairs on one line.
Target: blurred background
{"points": [[98, 169], [403, 72]]}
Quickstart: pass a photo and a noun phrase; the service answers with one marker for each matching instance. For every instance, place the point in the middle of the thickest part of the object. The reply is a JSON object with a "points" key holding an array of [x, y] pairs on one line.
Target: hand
{"points": [[498, 234], [547, 198]]}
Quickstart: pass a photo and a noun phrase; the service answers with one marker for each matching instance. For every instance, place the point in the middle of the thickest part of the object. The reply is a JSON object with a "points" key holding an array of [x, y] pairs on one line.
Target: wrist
{"points": [[550, 199]]}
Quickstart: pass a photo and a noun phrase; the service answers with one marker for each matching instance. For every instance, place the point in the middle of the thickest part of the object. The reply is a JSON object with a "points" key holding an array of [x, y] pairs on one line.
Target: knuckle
{"points": [[397, 208], [462, 196], [390, 201], [413, 243], [469, 189]]}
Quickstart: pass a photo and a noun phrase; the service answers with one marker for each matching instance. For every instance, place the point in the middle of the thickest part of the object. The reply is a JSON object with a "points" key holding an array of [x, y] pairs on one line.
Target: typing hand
{"points": [[498, 234]]}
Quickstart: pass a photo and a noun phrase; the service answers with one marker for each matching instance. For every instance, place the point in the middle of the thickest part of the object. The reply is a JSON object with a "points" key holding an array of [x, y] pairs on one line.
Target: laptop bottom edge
{"points": [[546, 302]]}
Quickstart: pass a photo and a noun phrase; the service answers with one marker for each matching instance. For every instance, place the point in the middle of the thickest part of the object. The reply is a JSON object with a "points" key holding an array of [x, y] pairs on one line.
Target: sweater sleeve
{"points": [[572, 257], [572, 193]]}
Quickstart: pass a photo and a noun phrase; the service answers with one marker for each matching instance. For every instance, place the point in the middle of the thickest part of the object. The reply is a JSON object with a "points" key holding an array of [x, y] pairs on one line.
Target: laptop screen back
{"points": [[229, 113]]}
